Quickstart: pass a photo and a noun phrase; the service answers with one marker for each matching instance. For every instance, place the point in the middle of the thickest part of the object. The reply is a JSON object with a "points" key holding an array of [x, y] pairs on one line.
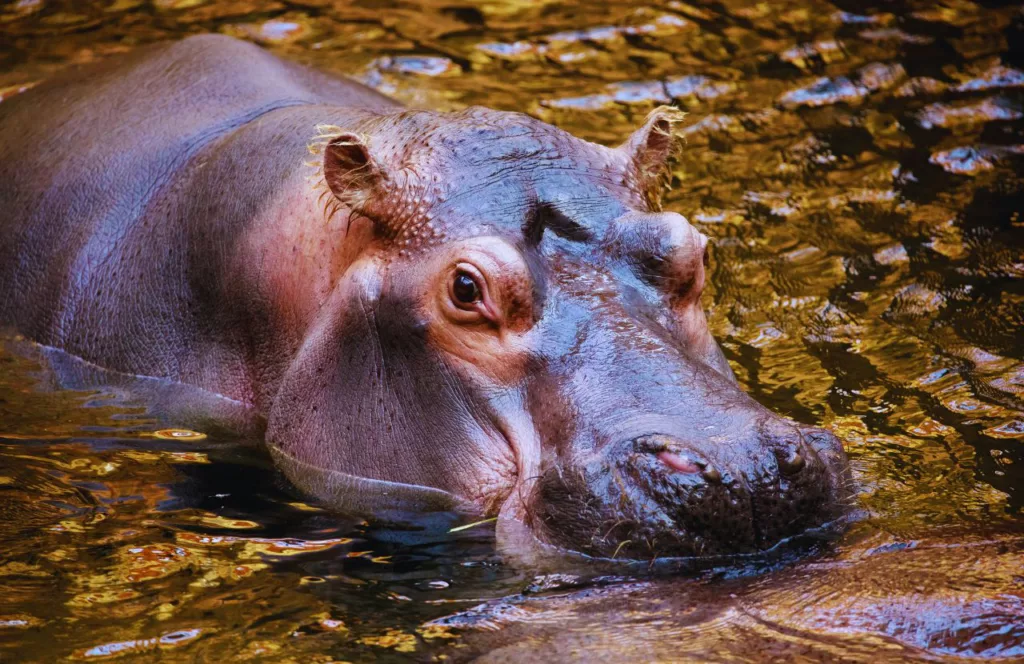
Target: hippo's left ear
{"points": [[651, 149]]}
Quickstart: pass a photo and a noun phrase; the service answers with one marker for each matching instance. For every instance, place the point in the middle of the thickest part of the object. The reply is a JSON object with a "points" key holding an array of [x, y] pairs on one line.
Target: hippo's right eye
{"points": [[487, 290]]}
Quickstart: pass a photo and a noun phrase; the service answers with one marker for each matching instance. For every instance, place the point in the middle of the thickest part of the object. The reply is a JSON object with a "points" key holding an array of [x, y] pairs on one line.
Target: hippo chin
{"points": [[477, 304]]}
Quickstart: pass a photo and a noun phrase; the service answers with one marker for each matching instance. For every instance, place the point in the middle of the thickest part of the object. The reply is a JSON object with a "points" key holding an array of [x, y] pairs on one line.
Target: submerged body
{"points": [[476, 303], [944, 596]]}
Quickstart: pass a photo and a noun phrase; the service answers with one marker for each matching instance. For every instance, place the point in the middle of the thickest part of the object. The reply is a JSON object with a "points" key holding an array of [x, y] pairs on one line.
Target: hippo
{"points": [[469, 310]]}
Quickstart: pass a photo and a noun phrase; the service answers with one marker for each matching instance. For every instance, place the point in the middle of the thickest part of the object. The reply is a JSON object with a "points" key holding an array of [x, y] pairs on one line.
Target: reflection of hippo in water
{"points": [[476, 304], [941, 596]]}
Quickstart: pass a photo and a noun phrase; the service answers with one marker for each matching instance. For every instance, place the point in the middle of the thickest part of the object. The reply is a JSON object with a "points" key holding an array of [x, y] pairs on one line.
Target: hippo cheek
{"points": [[369, 397]]}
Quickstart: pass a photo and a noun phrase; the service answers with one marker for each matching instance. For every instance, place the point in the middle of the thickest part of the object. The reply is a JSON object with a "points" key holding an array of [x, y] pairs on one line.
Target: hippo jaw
{"points": [[523, 332]]}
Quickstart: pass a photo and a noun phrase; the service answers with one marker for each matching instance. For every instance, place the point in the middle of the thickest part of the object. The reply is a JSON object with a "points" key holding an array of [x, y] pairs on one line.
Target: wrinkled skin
{"points": [[476, 302]]}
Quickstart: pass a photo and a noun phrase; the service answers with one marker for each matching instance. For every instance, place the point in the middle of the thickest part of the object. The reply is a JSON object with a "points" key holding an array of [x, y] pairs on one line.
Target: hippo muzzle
{"points": [[661, 495]]}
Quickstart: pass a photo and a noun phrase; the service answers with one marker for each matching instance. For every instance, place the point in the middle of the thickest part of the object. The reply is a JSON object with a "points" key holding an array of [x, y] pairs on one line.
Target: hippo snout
{"points": [[659, 495]]}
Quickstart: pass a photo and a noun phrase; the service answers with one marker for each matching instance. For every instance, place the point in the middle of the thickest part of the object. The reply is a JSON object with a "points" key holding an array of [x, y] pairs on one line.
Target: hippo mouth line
{"points": [[677, 456], [531, 549], [653, 456], [363, 496]]}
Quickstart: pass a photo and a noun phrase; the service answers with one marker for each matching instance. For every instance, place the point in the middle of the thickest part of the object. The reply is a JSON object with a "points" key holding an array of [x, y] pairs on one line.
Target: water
{"points": [[858, 165]]}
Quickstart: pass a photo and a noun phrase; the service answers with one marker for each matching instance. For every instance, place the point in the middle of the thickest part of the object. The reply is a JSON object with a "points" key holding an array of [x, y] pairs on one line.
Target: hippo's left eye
{"points": [[465, 289]]}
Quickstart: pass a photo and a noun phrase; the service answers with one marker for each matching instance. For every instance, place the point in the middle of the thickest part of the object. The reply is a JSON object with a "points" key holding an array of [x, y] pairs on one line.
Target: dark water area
{"points": [[858, 166]]}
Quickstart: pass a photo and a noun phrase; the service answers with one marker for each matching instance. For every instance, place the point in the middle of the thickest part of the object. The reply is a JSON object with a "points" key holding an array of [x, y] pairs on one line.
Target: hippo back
{"points": [[84, 156]]}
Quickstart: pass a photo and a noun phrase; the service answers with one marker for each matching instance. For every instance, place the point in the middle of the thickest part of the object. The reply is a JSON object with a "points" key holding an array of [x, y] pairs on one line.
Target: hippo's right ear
{"points": [[350, 170], [345, 163]]}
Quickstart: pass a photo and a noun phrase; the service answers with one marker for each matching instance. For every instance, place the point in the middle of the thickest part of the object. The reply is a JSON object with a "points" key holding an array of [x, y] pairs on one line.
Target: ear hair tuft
{"points": [[654, 148], [343, 167]]}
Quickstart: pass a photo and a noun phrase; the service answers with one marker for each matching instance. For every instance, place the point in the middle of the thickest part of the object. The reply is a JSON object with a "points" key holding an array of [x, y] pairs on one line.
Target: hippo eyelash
{"points": [[654, 261]]}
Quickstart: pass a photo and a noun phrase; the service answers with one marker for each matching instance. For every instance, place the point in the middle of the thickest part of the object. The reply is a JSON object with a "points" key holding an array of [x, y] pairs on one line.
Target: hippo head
{"points": [[521, 330]]}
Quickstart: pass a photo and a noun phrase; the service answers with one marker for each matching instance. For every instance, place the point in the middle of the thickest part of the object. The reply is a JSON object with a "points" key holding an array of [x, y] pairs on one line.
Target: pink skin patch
{"points": [[678, 462]]}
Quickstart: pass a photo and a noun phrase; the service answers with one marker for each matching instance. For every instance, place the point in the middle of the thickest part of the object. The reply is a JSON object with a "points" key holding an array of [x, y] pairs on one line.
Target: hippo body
{"points": [[476, 303]]}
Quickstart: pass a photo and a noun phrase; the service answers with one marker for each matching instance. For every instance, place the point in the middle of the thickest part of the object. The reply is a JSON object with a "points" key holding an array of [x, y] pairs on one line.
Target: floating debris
{"points": [[471, 525], [179, 434]]}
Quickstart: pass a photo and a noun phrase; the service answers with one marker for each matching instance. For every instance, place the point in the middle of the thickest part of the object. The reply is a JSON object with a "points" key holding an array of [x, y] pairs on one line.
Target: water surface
{"points": [[859, 167]]}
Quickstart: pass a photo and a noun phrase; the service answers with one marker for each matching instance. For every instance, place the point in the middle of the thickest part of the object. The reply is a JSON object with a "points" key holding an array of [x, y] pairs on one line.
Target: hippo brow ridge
{"points": [[545, 216], [410, 221]]}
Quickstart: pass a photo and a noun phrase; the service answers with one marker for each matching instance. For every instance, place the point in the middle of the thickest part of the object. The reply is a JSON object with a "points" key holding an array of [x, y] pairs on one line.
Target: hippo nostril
{"points": [[791, 461], [679, 462], [672, 453], [684, 464]]}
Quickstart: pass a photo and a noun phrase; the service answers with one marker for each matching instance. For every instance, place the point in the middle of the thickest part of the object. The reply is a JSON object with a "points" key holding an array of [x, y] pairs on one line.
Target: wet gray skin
{"points": [[476, 303]]}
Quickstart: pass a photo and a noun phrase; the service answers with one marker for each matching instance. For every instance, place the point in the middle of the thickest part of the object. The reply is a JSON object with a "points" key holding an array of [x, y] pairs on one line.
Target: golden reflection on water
{"points": [[858, 167]]}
